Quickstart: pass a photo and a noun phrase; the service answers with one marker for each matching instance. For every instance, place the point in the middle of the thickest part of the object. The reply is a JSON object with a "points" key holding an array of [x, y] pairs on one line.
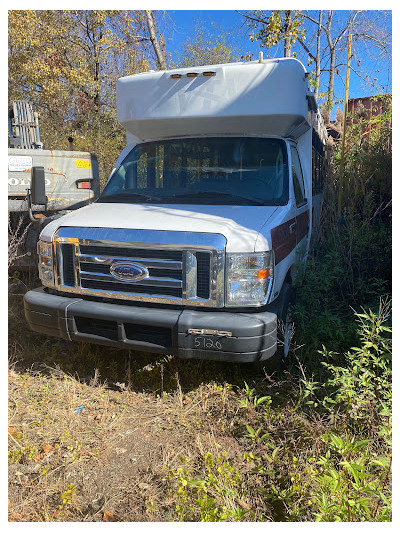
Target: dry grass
{"points": [[17, 229], [141, 414], [113, 455], [97, 434]]}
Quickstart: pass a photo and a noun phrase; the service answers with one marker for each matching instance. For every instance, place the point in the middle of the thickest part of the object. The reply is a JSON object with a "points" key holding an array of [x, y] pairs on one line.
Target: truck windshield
{"points": [[223, 170]]}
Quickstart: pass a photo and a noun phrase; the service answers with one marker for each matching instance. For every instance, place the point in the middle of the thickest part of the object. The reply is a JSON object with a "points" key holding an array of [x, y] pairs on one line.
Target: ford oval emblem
{"points": [[124, 271]]}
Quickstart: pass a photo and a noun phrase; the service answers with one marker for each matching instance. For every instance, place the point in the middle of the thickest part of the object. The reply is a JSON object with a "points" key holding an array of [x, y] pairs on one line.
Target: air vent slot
{"points": [[67, 262], [107, 329], [203, 275], [148, 334]]}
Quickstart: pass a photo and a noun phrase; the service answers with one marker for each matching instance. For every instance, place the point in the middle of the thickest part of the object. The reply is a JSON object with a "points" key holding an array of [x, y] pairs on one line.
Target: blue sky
{"points": [[230, 23]]}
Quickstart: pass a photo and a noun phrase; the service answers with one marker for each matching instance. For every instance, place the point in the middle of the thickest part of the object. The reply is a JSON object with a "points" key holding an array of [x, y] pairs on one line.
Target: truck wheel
{"points": [[280, 360], [285, 324]]}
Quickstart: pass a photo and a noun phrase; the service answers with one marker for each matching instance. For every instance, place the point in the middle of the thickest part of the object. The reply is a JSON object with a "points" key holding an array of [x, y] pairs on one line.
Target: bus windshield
{"points": [[206, 170]]}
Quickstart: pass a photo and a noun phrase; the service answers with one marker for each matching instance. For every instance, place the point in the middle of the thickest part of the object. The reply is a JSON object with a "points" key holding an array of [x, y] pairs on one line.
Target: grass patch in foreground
{"points": [[127, 443]]}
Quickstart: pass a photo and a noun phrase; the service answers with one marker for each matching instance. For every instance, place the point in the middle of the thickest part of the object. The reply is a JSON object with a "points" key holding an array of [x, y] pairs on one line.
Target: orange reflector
{"points": [[263, 274], [208, 73], [176, 75], [191, 74], [84, 185]]}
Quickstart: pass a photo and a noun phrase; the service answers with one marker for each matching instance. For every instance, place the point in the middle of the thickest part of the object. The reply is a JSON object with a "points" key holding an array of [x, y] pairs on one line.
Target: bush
{"points": [[350, 262], [336, 467]]}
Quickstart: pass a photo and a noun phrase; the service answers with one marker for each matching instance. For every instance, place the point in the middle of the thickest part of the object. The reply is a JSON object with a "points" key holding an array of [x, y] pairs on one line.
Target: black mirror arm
{"points": [[34, 218]]}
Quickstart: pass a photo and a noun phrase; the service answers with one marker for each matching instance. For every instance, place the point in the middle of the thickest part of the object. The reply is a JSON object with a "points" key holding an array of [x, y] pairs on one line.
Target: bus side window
{"points": [[298, 182], [313, 172]]}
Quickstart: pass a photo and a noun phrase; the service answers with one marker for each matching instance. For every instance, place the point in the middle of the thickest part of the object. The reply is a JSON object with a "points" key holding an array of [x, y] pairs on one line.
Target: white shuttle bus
{"points": [[193, 245]]}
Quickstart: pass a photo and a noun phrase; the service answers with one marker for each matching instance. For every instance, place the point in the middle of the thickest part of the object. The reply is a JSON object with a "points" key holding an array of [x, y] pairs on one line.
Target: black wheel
{"points": [[285, 324], [281, 359]]}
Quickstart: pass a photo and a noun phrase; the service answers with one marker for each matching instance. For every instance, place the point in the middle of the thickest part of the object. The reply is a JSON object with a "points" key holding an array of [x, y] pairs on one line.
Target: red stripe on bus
{"points": [[283, 242], [302, 225]]}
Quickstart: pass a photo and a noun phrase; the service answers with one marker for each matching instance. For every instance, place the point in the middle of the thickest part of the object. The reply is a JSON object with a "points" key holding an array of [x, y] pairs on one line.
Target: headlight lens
{"points": [[249, 278], [45, 253]]}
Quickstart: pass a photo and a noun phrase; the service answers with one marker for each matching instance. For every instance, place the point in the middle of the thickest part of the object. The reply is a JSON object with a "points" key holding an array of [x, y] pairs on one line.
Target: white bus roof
{"points": [[269, 97]]}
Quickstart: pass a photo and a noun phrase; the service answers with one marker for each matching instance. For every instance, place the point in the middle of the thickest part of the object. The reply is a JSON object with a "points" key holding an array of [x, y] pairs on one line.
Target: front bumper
{"points": [[154, 330]]}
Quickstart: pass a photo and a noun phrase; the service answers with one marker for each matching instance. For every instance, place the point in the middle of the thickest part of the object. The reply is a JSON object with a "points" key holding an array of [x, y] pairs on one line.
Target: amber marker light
{"points": [[191, 74], [263, 274], [176, 76], [209, 73]]}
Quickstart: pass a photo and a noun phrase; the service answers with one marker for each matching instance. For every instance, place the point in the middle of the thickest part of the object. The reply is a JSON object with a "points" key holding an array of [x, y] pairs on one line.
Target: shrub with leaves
{"points": [[351, 485], [338, 465], [361, 389], [217, 496]]}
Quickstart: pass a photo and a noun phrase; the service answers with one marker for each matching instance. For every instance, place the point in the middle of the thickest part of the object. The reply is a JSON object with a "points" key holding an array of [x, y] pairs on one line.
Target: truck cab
{"points": [[194, 243]]}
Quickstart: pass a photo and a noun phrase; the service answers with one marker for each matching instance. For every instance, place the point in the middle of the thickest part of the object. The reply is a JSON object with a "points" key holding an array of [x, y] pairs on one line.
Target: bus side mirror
{"points": [[38, 187]]}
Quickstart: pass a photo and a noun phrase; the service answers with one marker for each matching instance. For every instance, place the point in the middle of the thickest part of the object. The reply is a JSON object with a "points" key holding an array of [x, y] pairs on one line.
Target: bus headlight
{"points": [[249, 278], [46, 272]]}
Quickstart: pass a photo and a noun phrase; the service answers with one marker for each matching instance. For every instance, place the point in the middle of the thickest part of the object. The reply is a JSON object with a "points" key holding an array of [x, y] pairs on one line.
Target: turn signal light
{"points": [[263, 274]]}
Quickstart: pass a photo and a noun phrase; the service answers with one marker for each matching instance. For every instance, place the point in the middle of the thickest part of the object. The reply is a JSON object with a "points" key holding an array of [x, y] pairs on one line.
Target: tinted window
{"points": [[226, 170], [298, 182]]}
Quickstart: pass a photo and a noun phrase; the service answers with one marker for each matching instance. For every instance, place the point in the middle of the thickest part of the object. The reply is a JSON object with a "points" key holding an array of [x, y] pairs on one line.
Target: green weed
{"points": [[216, 496]]}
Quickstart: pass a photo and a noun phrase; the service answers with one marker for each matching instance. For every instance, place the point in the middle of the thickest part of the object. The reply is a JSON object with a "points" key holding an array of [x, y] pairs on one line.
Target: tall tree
{"points": [[322, 36], [287, 37], [67, 63], [202, 48], [269, 28], [315, 57], [154, 40], [333, 43]]}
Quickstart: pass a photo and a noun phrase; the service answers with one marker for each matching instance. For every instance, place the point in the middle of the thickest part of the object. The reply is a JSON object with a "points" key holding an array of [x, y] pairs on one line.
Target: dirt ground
{"points": [[116, 451], [98, 435]]}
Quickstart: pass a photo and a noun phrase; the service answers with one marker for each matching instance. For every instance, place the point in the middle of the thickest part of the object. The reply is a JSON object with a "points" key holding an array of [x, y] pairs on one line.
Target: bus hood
{"points": [[241, 225]]}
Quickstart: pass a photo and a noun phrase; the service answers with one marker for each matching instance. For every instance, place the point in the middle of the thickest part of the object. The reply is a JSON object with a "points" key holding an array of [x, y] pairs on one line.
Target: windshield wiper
{"points": [[126, 196], [214, 194]]}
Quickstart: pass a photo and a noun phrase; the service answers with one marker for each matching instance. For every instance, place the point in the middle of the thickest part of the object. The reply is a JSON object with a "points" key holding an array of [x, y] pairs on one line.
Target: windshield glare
{"points": [[223, 170]]}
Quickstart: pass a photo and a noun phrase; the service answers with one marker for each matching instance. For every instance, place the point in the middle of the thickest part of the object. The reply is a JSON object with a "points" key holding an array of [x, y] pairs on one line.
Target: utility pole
{"points": [[346, 99]]}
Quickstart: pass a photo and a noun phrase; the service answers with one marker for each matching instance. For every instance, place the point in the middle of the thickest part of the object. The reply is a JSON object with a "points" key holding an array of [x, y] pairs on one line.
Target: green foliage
{"points": [[204, 49], [367, 179], [216, 496], [66, 64], [67, 496], [344, 271], [350, 263], [350, 481], [254, 400], [270, 30], [361, 388], [351, 485]]}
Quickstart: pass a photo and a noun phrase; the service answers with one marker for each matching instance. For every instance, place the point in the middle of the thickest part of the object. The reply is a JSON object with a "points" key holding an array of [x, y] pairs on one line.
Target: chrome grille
{"points": [[178, 272], [165, 276]]}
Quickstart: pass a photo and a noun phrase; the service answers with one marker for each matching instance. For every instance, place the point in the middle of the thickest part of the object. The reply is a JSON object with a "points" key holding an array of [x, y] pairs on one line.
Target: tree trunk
{"points": [[329, 101], [332, 52], [287, 44], [154, 40], [318, 56]]}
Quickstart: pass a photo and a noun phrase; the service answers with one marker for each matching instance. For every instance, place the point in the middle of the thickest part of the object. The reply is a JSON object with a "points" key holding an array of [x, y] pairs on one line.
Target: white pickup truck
{"points": [[192, 247]]}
